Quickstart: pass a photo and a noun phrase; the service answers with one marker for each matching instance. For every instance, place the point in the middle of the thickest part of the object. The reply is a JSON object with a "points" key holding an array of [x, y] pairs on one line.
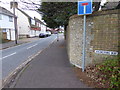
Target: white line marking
{"points": [[32, 46], [8, 55]]}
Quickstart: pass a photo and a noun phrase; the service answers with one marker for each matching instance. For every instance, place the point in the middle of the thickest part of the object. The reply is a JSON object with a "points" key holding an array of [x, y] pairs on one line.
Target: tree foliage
{"points": [[57, 14]]}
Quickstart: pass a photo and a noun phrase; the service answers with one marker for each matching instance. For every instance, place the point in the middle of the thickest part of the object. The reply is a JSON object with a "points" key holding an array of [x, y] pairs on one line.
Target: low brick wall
{"points": [[102, 33]]}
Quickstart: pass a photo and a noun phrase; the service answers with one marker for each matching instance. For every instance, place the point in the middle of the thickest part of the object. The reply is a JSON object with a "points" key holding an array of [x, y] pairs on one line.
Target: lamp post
{"points": [[14, 5], [58, 35]]}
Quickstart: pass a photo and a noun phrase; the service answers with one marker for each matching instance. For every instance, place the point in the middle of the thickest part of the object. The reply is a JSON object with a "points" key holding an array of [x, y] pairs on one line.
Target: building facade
{"points": [[28, 26], [7, 24]]}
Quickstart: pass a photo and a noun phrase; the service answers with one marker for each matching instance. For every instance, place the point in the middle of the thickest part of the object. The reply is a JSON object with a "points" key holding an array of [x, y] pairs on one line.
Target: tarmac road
{"points": [[15, 56]]}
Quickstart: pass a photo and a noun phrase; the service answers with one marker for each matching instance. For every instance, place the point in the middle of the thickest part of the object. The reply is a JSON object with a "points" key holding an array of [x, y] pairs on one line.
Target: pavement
{"points": [[50, 69], [19, 41]]}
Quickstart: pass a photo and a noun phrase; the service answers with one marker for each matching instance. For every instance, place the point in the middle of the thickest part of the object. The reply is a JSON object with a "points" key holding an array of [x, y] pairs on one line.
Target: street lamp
{"points": [[57, 34], [14, 5]]}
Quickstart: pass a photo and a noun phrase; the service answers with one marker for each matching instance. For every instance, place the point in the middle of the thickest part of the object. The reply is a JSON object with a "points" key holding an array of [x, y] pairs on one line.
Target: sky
{"points": [[25, 7], [6, 3]]}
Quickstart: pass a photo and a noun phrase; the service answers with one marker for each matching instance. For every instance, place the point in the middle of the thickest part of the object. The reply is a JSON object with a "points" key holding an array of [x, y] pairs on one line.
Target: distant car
{"points": [[42, 35], [48, 33], [55, 32]]}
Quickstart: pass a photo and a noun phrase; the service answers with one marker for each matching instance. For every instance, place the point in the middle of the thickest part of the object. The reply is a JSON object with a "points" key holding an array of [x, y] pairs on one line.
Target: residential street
{"points": [[59, 44], [50, 69], [15, 56]]}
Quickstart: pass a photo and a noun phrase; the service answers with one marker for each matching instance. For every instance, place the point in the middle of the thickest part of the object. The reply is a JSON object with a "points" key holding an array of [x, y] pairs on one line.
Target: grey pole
{"points": [[84, 41], [15, 23], [58, 35]]}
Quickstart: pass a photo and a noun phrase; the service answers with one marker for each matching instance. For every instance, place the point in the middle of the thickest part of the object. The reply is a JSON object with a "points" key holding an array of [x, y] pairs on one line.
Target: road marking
{"points": [[8, 55], [32, 46]]}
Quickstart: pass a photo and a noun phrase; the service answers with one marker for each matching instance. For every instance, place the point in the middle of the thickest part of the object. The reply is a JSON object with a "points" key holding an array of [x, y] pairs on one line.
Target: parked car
{"points": [[42, 35], [48, 33], [56, 32]]}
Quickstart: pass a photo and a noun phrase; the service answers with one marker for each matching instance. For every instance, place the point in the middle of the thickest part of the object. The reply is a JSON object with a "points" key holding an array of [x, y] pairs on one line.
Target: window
{"points": [[0, 17], [10, 19], [4, 30], [37, 24], [32, 21]]}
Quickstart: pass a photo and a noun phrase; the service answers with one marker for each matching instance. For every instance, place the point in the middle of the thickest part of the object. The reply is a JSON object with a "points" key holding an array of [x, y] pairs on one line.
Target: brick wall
{"points": [[102, 33]]}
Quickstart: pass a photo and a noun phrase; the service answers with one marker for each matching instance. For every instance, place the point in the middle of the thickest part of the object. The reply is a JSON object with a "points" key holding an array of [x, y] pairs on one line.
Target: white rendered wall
{"points": [[23, 23], [5, 23], [37, 33], [12, 36], [43, 28]]}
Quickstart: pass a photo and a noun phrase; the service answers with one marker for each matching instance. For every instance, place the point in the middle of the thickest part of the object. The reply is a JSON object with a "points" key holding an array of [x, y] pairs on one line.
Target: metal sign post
{"points": [[84, 41], [84, 7]]}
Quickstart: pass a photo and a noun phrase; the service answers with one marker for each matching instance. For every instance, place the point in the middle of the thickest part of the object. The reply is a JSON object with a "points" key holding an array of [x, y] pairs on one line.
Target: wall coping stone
{"points": [[98, 13]]}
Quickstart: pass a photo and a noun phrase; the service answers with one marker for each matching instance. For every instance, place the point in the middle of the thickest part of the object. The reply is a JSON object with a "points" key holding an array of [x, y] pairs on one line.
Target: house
{"points": [[23, 23], [111, 5], [28, 26], [40, 26], [7, 24]]}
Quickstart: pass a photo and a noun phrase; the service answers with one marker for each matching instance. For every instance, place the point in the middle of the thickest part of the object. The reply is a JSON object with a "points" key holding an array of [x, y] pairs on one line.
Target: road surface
{"points": [[15, 56]]}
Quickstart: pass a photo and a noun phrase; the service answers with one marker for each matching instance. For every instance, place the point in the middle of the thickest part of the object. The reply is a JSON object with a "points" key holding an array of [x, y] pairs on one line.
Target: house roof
{"points": [[30, 16], [39, 20], [24, 13], [5, 11], [111, 5]]}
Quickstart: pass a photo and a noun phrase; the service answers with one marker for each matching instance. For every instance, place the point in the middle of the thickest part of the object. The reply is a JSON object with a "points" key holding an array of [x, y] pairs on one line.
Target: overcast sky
{"points": [[26, 7], [23, 6], [5, 3]]}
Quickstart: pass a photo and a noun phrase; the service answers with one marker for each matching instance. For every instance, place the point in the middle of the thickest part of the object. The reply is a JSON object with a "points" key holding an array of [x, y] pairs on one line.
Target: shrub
{"points": [[111, 72]]}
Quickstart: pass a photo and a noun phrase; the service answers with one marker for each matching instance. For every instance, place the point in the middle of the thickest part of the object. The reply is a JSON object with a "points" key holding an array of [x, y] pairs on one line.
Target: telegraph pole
{"points": [[15, 5]]}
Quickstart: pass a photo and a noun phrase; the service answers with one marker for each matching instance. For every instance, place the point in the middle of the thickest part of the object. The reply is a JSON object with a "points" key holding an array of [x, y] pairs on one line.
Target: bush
{"points": [[111, 72]]}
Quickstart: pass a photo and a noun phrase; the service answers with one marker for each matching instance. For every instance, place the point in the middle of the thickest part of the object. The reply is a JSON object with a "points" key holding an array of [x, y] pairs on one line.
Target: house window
{"points": [[0, 17], [10, 19], [4, 30], [37, 24], [32, 21]]}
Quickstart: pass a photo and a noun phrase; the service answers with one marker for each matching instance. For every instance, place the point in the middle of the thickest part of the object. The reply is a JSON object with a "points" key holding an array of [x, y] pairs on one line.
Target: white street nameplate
{"points": [[106, 52]]}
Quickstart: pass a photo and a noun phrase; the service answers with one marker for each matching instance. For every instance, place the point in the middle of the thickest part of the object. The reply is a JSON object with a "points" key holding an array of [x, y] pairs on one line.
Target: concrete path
{"points": [[50, 69]]}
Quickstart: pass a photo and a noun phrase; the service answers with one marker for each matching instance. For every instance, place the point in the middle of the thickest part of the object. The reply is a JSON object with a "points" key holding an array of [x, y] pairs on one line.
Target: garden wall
{"points": [[102, 34]]}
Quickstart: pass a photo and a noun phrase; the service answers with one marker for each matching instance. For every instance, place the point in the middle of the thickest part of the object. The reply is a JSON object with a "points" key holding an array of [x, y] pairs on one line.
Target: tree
{"points": [[57, 14]]}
